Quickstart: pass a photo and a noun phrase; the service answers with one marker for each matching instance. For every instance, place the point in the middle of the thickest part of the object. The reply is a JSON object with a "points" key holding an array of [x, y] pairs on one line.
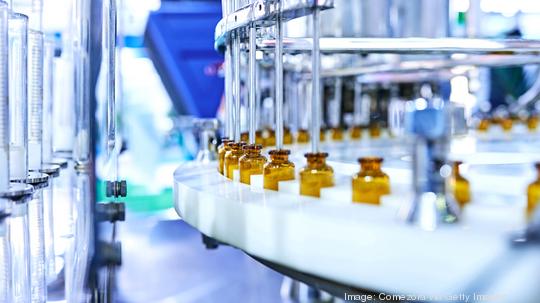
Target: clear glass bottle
{"points": [[356, 132], [232, 157], [532, 122], [20, 253], [251, 163], [287, 136], [18, 105], [4, 106], [270, 139], [371, 183], [36, 225], [35, 99], [336, 134], [5, 263], [315, 175], [278, 169], [533, 194], [303, 136], [460, 186], [222, 150]]}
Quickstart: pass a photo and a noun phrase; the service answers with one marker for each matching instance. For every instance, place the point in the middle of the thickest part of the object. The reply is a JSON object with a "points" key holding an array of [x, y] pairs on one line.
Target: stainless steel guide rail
{"points": [[263, 12], [466, 63], [409, 46]]}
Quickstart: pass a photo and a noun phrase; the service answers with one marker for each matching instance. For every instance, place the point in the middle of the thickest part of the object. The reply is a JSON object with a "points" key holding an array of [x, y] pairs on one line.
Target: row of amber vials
{"points": [[267, 137], [508, 122], [460, 187]]}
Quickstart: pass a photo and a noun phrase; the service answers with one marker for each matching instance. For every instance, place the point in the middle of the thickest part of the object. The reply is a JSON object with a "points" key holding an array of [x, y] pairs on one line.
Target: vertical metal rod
{"points": [[252, 83], [235, 4], [315, 79], [279, 78], [228, 93], [229, 121], [236, 86]]}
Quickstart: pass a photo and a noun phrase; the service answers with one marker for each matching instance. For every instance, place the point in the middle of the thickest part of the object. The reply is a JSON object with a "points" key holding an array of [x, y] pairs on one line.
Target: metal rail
{"points": [[409, 46], [263, 13], [430, 65]]}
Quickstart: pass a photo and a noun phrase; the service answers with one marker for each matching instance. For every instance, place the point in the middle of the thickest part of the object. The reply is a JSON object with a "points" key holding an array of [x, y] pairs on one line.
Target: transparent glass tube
{"points": [[48, 232], [35, 99], [18, 143], [20, 253], [81, 22], [5, 264], [77, 260], [31, 8], [109, 58], [48, 95], [37, 247], [4, 103]]}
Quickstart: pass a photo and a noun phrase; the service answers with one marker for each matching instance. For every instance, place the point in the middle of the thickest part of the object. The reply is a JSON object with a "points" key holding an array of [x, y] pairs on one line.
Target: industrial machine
{"points": [[444, 205]]}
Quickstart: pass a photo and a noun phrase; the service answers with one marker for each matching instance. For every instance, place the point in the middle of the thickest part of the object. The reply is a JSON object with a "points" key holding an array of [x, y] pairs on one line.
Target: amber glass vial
{"points": [[337, 134], [371, 183], [533, 194], [507, 124], [232, 157], [356, 132], [322, 134], [460, 186], [303, 136], [278, 169], [259, 137], [375, 130], [532, 122], [315, 175], [222, 150], [244, 137], [484, 124], [251, 163], [287, 136], [270, 139]]}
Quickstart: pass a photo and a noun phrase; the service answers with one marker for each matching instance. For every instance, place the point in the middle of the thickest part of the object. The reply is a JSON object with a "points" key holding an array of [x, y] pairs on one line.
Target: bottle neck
{"points": [[455, 169], [370, 166], [252, 153], [316, 162], [279, 158]]}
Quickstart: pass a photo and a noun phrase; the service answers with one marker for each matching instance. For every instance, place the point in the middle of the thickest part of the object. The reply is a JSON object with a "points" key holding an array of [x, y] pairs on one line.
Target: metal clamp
{"points": [[116, 189], [110, 254], [111, 212]]}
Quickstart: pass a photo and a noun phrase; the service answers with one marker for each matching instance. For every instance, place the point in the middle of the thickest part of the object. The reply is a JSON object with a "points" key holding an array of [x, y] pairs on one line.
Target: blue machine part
{"points": [[180, 41]]}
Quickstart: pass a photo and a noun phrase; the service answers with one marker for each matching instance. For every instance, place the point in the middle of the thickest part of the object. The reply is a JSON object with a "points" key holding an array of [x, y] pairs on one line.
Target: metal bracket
{"points": [[262, 13], [116, 189], [111, 212]]}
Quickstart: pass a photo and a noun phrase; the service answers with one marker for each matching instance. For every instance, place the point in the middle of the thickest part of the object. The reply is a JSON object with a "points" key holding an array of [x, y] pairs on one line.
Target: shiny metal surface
{"points": [[409, 66], [17, 190], [52, 170], [263, 12], [409, 45]]}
